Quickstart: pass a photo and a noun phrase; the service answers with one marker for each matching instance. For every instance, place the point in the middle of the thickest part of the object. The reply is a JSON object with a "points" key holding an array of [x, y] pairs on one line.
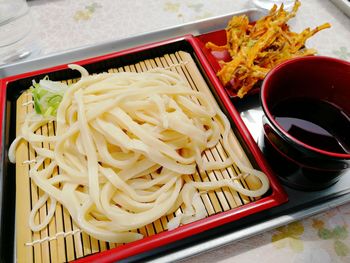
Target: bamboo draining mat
{"points": [[62, 240]]}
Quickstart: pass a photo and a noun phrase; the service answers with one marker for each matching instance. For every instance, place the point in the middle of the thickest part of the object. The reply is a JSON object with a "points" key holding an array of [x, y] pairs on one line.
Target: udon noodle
{"points": [[125, 147]]}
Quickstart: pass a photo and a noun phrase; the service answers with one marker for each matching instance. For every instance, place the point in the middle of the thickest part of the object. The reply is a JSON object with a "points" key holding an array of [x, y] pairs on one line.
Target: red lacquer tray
{"points": [[13, 86]]}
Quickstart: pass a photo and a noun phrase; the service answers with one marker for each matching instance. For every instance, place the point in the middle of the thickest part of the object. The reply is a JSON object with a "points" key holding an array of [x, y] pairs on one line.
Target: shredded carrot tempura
{"points": [[256, 48]]}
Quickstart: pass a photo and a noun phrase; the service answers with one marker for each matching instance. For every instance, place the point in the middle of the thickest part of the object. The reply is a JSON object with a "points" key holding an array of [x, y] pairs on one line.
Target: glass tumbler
{"points": [[16, 31]]}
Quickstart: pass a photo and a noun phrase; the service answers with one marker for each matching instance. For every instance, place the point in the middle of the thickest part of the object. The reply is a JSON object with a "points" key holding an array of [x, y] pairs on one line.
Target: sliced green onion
{"points": [[47, 96]]}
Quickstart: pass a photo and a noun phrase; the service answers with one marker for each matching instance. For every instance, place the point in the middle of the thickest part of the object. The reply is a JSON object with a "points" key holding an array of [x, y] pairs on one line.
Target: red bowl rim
{"points": [[268, 114]]}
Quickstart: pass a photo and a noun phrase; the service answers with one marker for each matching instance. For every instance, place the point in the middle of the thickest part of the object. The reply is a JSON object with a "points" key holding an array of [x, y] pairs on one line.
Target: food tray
{"points": [[61, 240], [301, 204], [343, 5]]}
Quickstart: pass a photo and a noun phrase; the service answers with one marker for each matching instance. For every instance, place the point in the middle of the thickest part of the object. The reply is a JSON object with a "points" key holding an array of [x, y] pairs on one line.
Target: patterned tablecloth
{"points": [[67, 24]]}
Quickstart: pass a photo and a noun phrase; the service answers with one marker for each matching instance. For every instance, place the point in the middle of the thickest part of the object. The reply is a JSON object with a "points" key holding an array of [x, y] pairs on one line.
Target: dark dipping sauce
{"points": [[315, 122]]}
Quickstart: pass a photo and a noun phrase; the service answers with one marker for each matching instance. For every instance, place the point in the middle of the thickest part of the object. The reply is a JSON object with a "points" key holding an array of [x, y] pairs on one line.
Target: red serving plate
{"points": [[274, 197]]}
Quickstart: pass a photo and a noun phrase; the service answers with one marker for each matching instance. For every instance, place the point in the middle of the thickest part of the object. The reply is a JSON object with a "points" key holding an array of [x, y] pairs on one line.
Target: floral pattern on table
{"points": [[171, 7], [323, 238], [187, 11], [336, 233], [289, 236], [87, 12]]}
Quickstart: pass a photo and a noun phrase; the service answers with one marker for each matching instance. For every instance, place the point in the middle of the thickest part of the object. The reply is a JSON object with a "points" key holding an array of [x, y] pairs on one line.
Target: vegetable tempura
{"points": [[255, 48]]}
